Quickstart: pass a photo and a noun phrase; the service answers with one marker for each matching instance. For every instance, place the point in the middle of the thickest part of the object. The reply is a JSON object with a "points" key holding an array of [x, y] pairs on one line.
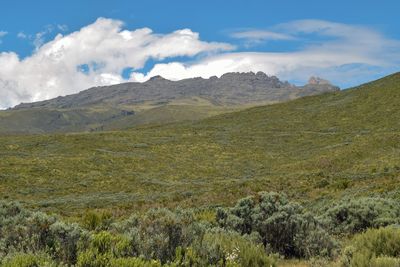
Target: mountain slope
{"points": [[130, 104], [314, 149]]}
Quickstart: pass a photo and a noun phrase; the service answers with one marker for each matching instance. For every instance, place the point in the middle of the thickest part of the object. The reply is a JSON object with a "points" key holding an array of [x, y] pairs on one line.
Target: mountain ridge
{"points": [[157, 100], [158, 88]]}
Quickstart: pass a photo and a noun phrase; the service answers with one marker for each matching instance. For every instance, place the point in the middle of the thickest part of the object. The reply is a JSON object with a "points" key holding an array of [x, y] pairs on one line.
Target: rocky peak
{"points": [[157, 78], [318, 81]]}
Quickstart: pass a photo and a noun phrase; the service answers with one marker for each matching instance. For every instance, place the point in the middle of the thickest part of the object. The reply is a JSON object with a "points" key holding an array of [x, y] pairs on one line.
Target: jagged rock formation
{"points": [[229, 89], [318, 81]]}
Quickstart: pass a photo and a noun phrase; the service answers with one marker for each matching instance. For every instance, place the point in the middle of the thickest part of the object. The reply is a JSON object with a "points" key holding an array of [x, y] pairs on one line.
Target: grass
{"points": [[102, 117], [314, 149]]}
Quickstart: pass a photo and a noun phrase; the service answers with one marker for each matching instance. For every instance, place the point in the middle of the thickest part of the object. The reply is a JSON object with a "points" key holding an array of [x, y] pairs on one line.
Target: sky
{"points": [[53, 48]]}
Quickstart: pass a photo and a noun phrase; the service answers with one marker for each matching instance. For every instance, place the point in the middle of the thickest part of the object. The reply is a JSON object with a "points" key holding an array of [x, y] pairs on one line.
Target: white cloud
{"points": [[260, 35], [271, 63], [39, 38], [347, 38], [345, 58], [2, 34], [53, 69], [62, 27], [22, 35]]}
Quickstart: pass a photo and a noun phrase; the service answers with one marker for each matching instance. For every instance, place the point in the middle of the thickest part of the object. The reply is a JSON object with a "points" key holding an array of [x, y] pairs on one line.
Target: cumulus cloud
{"points": [[99, 53], [104, 47]]}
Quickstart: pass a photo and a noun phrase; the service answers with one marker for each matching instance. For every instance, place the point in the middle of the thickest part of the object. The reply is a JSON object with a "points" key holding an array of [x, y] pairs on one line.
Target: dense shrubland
{"points": [[258, 231]]}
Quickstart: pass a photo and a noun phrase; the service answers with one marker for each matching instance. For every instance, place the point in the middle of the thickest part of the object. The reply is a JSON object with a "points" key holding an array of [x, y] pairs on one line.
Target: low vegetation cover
{"points": [[260, 230], [175, 194], [315, 149]]}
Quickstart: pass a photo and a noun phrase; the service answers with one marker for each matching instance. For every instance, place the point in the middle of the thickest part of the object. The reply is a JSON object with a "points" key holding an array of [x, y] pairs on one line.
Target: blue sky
{"points": [[50, 49]]}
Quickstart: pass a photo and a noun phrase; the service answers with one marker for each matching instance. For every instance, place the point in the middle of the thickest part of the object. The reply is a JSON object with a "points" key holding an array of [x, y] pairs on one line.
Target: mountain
{"points": [[315, 149], [156, 101]]}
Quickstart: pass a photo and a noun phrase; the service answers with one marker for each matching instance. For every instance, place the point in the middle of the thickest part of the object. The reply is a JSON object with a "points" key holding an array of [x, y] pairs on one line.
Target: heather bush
{"points": [[34, 232], [28, 260], [224, 248], [97, 221], [284, 227], [375, 247], [159, 232], [354, 216]]}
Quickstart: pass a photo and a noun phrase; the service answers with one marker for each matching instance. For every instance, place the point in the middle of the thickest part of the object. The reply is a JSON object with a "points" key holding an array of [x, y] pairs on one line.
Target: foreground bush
{"points": [[105, 249], [354, 216], [222, 248], [159, 232], [28, 260], [284, 227], [375, 247], [22, 230]]}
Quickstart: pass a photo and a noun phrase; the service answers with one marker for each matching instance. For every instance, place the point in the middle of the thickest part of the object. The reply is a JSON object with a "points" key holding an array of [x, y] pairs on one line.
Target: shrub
{"points": [[28, 260], [224, 248], [97, 221], [66, 238], [378, 246], [110, 250], [158, 233], [284, 227], [354, 216], [22, 230], [102, 248]]}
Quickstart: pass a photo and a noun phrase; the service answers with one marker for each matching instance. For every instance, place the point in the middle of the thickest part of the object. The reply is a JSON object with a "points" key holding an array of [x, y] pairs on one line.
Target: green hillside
{"points": [[315, 148], [98, 118]]}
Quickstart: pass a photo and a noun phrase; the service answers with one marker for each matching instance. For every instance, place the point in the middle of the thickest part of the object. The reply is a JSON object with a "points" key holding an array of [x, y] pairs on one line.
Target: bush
{"points": [[22, 230], [28, 260], [97, 221], [354, 216], [375, 247], [160, 232], [223, 248], [284, 227], [66, 239], [102, 248], [105, 249]]}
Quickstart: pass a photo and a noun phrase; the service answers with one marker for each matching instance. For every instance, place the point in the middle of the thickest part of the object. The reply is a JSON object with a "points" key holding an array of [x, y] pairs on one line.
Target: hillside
{"points": [[345, 143], [155, 101]]}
